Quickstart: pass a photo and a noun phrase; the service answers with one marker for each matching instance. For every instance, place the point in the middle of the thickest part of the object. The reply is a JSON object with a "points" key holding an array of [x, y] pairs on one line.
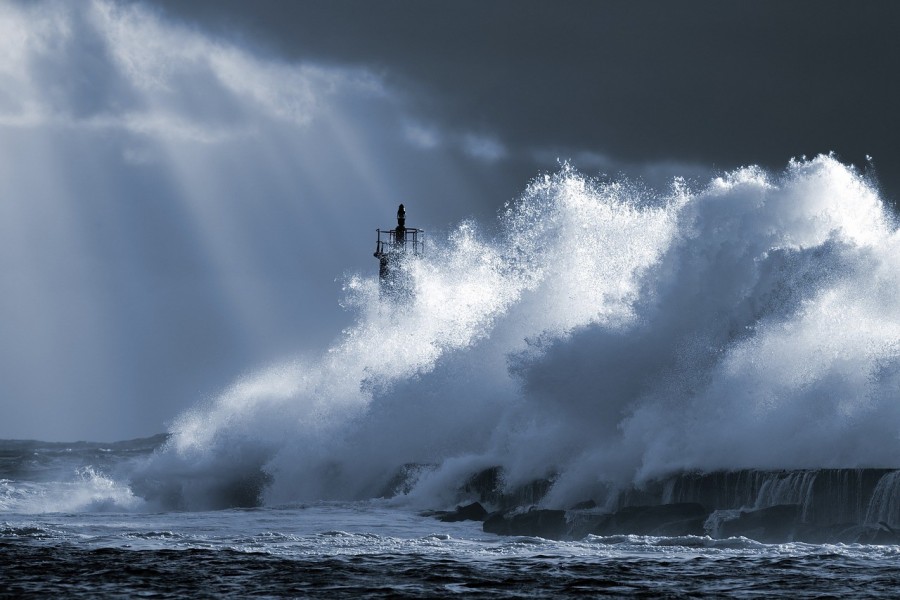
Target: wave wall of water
{"points": [[606, 333]]}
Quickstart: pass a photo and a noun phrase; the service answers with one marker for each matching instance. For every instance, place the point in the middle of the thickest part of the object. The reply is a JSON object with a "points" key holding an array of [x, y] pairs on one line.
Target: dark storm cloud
{"points": [[719, 83]]}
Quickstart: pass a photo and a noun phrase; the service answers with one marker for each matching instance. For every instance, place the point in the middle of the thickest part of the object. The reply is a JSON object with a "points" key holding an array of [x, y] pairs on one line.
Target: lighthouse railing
{"points": [[413, 241]]}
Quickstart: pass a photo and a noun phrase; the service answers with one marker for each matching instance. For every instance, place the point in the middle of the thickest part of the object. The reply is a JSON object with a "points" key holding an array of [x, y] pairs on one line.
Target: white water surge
{"points": [[606, 333]]}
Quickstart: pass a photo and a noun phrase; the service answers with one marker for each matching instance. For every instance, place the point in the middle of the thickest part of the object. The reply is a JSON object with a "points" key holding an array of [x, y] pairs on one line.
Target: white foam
{"points": [[89, 490], [607, 333]]}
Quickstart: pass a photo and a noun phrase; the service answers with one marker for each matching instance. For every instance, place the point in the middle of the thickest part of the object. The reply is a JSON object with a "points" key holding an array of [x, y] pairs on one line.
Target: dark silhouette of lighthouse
{"points": [[392, 248]]}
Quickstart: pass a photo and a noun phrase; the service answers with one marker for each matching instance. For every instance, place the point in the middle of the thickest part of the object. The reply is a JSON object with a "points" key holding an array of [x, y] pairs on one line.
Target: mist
{"points": [[606, 335]]}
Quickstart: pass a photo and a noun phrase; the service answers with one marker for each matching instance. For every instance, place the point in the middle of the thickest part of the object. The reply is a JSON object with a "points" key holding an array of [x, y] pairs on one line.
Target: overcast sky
{"points": [[710, 82], [185, 185]]}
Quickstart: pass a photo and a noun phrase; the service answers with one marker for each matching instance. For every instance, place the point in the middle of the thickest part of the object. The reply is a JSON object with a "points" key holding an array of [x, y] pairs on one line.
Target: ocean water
{"points": [[599, 334], [83, 535]]}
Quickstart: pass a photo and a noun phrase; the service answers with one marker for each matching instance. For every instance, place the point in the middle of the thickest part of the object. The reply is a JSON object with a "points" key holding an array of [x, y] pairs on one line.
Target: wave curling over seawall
{"points": [[607, 334]]}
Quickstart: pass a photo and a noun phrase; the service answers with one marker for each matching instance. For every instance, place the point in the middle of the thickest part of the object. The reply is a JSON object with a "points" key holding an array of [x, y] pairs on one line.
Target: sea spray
{"points": [[83, 489], [607, 334]]}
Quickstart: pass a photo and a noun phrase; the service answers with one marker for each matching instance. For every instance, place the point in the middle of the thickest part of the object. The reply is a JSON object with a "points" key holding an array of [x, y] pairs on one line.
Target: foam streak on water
{"points": [[350, 549], [605, 333]]}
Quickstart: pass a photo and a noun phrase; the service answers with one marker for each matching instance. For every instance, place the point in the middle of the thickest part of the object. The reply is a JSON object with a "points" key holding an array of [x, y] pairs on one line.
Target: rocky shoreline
{"points": [[814, 506]]}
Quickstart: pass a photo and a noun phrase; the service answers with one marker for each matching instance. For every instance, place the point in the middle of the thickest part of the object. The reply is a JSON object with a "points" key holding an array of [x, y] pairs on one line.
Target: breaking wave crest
{"points": [[607, 333], [88, 490]]}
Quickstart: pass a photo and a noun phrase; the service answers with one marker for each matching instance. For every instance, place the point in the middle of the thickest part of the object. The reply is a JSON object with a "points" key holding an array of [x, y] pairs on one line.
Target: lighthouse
{"points": [[393, 247]]}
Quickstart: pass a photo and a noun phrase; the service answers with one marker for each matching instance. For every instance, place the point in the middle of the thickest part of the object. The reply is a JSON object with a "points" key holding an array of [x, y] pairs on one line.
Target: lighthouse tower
{"points": [[392, 248]]}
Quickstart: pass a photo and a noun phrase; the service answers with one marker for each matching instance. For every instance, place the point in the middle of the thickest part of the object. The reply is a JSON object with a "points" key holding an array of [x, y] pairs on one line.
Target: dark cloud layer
{"points": [[719, 83]]}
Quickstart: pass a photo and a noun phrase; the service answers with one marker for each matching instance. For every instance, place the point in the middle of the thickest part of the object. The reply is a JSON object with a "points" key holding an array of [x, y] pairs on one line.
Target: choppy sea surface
{"points": [[69, 528], [368, 549]]}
